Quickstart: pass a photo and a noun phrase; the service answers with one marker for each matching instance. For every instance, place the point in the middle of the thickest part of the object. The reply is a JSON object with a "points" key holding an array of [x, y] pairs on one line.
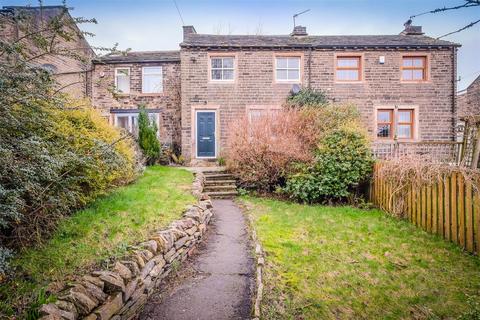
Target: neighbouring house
{"points": [[468, 100], [72, 74], [123, 83]]}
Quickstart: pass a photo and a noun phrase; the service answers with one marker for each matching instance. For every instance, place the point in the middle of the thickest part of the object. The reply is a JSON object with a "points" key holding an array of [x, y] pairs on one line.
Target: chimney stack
{"points": [[299, 31], [188, 30], [411, 30]]}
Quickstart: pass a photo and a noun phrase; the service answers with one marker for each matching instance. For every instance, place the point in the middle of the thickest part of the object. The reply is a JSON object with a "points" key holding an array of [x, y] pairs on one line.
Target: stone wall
{"points": [[381, 86], [121, 292]]}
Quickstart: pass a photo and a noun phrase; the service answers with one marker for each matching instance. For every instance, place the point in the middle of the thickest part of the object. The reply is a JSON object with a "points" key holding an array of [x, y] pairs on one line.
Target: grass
{"points": [[106, 228], [346, 263]]}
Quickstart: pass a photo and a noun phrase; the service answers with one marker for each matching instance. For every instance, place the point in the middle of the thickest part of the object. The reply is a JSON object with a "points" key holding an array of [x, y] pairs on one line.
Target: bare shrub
{"points": [[261, 150], [417, 171]]}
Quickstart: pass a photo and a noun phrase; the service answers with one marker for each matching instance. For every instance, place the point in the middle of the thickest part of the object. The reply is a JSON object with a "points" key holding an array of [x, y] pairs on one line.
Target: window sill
{"points": [[415, 81], [288, 82], [221, 81]]}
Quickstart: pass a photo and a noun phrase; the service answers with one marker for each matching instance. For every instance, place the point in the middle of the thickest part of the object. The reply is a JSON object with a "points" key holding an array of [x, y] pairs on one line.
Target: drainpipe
{"points": [[454, 90], [309, 67]]}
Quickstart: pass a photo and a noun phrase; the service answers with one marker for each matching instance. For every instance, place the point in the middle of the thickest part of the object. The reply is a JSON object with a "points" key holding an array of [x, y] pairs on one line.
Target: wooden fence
{"points": [[449, 208]]}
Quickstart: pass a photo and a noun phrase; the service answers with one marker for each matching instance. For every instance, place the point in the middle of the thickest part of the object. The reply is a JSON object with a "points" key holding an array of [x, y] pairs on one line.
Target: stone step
{"points": [[219, 182], [220, 188], [222, 195], [220, 176], [208, 173]]}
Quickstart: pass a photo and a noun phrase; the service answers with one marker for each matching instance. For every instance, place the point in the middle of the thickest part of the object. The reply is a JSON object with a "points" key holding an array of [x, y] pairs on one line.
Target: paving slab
{"points": [[217, 282]]}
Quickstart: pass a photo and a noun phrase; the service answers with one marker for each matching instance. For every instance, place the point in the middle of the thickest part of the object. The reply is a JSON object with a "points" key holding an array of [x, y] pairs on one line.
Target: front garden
{"points": [[95, 235], [326, 262]]}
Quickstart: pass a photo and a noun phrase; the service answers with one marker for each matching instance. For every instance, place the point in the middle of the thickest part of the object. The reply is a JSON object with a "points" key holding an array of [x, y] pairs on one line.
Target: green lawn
{"points": [[104, 229], [346, 263]]}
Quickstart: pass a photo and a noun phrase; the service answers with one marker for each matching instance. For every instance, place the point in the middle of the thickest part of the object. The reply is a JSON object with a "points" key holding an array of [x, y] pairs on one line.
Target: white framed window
{"points": [[152, 80], [222, 68], [122, 80], [287, 69], [129, 121]]}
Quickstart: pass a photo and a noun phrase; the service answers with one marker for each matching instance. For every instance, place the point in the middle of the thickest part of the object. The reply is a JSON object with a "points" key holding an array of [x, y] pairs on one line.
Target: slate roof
{"points": [[141, 56], [330, 42]]}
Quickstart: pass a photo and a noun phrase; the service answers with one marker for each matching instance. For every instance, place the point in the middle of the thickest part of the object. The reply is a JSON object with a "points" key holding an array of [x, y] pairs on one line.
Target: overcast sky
{"points": [[156, 25]]}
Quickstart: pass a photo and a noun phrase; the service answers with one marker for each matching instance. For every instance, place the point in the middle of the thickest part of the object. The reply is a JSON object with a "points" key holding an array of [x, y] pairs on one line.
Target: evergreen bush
{"points": [[147, 137]]}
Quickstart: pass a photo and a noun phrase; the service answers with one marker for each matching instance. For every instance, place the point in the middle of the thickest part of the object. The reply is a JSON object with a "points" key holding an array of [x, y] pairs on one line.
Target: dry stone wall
{"points": [[121, 292]]}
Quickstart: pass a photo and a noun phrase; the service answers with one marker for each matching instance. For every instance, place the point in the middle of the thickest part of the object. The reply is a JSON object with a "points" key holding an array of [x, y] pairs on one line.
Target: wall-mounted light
{"points": [[381, 59]]}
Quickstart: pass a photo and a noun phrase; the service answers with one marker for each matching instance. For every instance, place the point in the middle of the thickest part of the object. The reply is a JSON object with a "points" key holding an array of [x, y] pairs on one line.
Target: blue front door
{"points": [[205, 134]]}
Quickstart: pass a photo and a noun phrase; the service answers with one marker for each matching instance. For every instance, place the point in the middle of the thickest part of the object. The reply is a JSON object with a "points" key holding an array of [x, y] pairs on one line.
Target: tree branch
{"points": [[461, 29]]}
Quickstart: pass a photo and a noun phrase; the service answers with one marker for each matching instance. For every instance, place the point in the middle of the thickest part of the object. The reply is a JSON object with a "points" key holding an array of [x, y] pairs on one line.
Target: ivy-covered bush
{"points": [[147, 137], [307, 97], [342, 161]]}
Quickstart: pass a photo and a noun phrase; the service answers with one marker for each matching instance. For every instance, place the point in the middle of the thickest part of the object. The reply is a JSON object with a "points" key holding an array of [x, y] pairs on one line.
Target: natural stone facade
{"points": [[469, 100], [255, 86], [73, 75], [121, 292], [167, 103]]}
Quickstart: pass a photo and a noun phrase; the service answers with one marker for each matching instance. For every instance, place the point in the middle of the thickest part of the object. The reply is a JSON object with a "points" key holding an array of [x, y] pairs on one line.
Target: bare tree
{"points": [[466, 4]]}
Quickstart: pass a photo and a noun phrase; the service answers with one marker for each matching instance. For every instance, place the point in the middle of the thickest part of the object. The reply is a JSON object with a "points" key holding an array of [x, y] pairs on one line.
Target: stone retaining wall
{"points": [[121, 293]]}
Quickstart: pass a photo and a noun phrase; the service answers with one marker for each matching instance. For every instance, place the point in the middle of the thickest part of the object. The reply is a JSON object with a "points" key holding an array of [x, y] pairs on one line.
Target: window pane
{"points": [[227, 62], [282, 63], [383, 130], [348, 75], [152, 84], [417, 62], [404, 131], [407, 75], [282, 74], [123, 72], [227, 74], [152, 70], [216, 63], [122, 122], [293, 63], [217, 74], [404, 116], [407, 62], [383, 116], [293, 75], [417, 74], [347, 62], [123, 84]]}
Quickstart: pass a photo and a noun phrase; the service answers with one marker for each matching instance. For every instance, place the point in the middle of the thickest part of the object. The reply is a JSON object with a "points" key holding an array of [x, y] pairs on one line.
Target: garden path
{"points": [[217, 282]]}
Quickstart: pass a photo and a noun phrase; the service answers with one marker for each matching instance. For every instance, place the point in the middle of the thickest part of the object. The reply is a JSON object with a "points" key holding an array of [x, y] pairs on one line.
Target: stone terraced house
{"points": [[403, 85]]}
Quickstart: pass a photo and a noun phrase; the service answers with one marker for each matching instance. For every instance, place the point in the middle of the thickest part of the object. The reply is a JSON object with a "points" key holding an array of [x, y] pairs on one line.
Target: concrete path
{"points": [[218, 281]]}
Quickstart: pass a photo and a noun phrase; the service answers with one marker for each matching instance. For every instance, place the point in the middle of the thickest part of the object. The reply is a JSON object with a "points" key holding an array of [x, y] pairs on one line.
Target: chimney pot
{"points": [[188, 30], [299, 31]]}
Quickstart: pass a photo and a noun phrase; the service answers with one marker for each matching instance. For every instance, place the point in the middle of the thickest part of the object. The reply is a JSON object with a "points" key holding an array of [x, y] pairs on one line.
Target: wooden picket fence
{"points": [[449, 208]]}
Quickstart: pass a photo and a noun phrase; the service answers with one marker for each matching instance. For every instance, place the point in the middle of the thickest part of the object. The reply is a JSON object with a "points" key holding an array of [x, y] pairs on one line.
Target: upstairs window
{"points": [[414, 68], [348, 69], [152, 80], [222, 68], [122, 80], [399, 123], [287, 69]]}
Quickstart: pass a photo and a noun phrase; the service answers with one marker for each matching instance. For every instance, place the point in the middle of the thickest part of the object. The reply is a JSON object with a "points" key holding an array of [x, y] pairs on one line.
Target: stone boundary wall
{"points": [[121, 292]]}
